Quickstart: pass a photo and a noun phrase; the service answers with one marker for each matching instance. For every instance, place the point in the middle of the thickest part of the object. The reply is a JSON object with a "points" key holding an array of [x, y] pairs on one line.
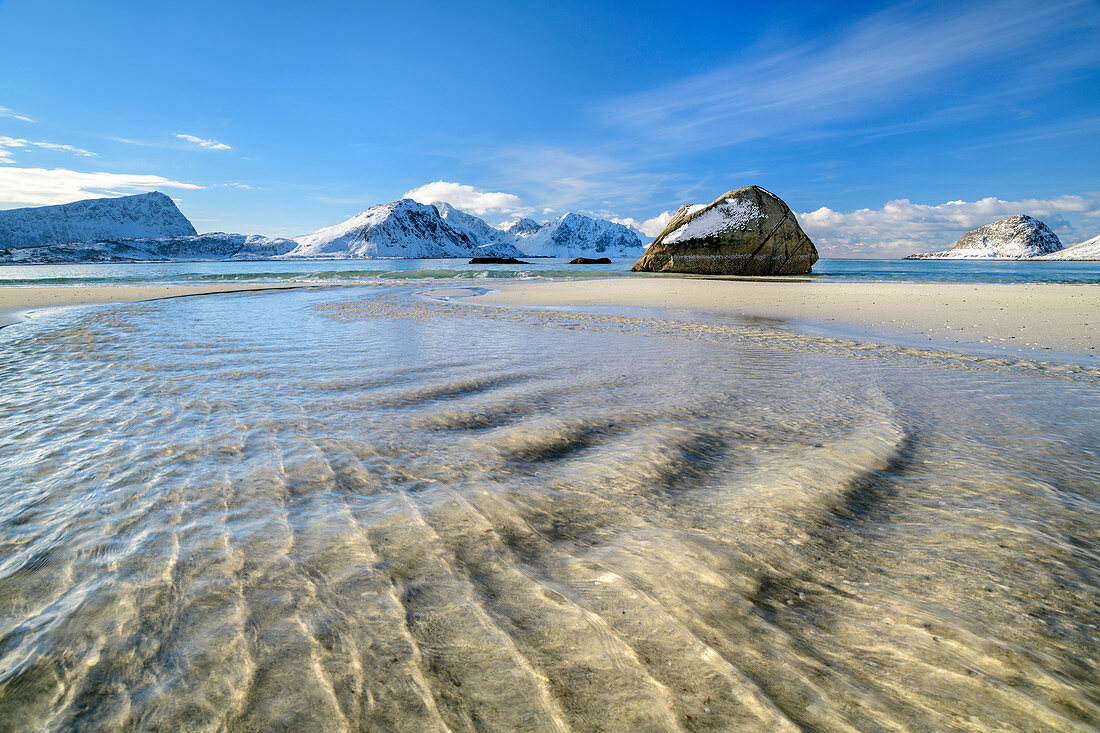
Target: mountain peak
{"points": [[151, 214]]}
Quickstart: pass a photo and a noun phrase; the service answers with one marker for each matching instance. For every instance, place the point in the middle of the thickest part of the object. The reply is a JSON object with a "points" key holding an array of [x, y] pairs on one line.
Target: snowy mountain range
{"points": [[143, 215], [409, 229], [406, 229], [576, 235], [149, 227]]}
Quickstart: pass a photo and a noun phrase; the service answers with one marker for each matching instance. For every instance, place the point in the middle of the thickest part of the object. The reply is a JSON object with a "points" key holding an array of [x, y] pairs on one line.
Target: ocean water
{"points": [[383, 508], [373, 271]]}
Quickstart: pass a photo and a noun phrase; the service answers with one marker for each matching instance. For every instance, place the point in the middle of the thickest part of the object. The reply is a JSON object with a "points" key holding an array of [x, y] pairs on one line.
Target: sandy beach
{"points": [[17, 300], [1058, 318]]}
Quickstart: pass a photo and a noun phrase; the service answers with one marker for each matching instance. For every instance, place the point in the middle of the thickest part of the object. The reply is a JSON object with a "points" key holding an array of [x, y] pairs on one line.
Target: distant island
{"points": [[1019, 237]]}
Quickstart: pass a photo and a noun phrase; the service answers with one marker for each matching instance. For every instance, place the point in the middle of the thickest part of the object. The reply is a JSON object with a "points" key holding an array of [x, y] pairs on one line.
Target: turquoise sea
{"points": [[388, 270]]}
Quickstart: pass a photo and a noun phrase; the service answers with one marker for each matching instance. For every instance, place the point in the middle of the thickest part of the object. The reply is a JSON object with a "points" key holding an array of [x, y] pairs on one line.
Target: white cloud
{"points": [[203, 143], [649, 227], [466, 198], [901, 227], [7, 144], [5, 112], [65, 149], [41, 187]]}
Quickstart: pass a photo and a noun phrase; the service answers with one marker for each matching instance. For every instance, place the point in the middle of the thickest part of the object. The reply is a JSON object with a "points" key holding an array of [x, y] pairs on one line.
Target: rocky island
{"points": [[1019, 237]]}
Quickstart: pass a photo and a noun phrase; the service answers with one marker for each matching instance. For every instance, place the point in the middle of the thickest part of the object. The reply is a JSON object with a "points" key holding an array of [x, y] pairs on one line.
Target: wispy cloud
{"points": [[562, 179], [881, 61], [467, 198], [5, 112], [901, 227], [41, 187], [8, 144], [65, 149], [202, 142]]}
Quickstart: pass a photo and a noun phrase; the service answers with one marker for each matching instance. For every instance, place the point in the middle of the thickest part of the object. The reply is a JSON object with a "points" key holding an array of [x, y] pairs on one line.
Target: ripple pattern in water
{"points": [[285, 511]]}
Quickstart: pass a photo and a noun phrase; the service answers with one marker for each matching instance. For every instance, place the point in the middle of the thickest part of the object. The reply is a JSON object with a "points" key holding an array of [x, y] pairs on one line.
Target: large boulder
{"points": [[744, 232]]}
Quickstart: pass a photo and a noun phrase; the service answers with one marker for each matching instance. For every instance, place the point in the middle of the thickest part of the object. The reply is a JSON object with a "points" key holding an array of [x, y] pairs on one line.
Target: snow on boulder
{"points": [[748, 231], [142, 215], [1018, 237], [575, 235], [402, 229]]}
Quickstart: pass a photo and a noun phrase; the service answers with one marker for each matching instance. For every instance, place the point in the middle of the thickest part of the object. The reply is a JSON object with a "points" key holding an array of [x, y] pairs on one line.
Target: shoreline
{"points": [[16, 302], [1039, 319], [1001, 317]]}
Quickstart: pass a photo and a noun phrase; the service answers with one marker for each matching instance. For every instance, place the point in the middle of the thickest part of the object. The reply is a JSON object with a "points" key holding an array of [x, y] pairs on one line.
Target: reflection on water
{"points": [[288, 510]]}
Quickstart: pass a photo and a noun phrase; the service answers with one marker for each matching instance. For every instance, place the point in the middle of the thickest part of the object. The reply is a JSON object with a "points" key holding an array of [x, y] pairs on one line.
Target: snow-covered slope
{"points": [[1019, 237], [478, 229], [574, 235], [144, 215], [1087, 250], [212, 246], [400, 229], [521, 226]]}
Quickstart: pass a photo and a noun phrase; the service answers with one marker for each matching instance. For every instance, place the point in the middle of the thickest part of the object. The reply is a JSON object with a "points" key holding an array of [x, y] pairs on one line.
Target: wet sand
{"points": [[17, 300], [1058, 318]]}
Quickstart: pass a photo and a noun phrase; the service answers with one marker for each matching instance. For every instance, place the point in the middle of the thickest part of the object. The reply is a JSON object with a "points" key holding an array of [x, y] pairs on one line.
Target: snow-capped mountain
{"points": [[521, 226], [212, 246], [1087, 250], [1019, 237], [478, 229], [575, 235], [408, 229], [143, 215], [149, 227], [403, 228]]}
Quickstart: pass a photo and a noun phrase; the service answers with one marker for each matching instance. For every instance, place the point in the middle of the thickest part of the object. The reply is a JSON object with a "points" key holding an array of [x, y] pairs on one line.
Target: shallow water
{"points": [[371, 510]]}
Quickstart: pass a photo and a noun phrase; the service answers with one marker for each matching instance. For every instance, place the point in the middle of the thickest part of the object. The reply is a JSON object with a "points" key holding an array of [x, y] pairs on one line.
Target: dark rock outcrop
{"points": [[497, 261], [590, 261], [748, 231]]}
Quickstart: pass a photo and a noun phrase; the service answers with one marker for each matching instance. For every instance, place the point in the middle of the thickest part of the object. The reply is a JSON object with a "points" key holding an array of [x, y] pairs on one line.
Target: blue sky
{"points": [[888, 128]]}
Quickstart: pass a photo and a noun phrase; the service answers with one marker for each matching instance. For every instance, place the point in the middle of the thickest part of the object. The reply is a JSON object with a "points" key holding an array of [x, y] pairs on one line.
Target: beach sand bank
{"points": [[17, 300], [1058, 318]]}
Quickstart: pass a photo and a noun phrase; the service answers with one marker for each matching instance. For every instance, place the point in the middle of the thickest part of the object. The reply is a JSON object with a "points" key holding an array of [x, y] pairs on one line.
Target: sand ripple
{"points": [[466, 523]]}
